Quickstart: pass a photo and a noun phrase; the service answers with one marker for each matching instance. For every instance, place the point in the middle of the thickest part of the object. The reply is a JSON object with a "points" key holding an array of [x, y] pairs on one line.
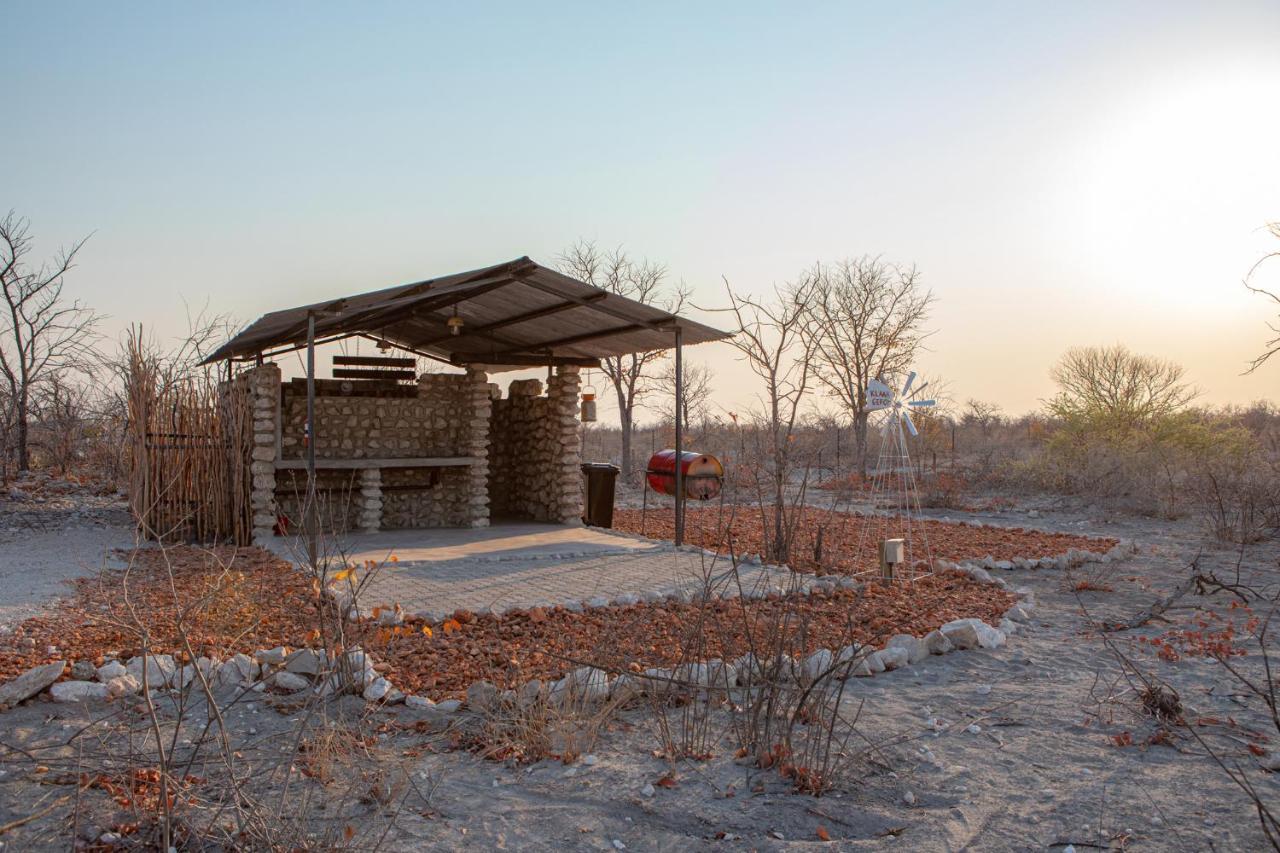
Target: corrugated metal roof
{"points": [[514, 314]]}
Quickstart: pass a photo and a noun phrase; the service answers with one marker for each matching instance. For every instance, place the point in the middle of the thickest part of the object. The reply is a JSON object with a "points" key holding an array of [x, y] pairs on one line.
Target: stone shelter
{"points": [[379, 446]]}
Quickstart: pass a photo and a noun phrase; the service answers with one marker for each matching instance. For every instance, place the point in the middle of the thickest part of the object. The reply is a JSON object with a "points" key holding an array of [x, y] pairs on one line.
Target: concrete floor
{"points": [[523, 564]]}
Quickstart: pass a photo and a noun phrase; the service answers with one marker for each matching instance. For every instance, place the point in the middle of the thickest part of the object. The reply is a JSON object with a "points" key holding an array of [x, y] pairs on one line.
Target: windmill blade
{"points": [[911, 427], [919, 390], [921, 403], [911, 377]]}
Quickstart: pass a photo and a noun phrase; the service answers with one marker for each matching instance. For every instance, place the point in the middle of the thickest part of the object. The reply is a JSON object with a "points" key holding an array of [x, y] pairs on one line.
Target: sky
{"points": [[1059, 174]]}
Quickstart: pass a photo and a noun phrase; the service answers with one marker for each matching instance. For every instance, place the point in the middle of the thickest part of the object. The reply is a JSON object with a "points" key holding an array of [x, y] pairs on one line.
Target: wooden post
{"points": [[312, 520], [679, 437]]}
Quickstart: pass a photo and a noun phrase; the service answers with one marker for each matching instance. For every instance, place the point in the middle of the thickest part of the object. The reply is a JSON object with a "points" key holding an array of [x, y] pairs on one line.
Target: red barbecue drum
{"points": [[702, 474]]}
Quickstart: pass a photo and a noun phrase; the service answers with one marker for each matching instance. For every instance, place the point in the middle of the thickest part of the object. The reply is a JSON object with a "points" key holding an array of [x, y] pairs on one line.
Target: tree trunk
{"points": [[860, 441], [20, 442], [625, 430]]}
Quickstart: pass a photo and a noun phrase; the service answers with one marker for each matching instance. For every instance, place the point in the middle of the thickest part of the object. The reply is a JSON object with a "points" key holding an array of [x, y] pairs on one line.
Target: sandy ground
{"points": [[48, 537], [1025, 759]]}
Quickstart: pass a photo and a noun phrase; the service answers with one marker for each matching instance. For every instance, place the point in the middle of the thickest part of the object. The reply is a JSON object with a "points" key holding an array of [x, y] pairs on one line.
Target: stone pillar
{"points": [[566, 487], [264, 392], [370, 519], [477, 402]]}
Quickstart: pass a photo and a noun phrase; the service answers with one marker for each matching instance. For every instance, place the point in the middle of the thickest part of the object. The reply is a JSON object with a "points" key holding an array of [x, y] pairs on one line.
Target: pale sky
{"points": [[1061, 174]]}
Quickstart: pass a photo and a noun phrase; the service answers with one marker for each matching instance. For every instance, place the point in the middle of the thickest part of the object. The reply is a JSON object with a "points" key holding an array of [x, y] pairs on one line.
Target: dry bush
{"points": [[177, 765]]}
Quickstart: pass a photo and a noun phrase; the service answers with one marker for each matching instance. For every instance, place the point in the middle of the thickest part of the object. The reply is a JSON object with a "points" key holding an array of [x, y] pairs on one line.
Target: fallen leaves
{"points": [[844, 548]]}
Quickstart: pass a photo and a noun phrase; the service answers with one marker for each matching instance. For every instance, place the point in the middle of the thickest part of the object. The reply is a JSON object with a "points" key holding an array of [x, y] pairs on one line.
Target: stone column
{"points": [[565, 500], [477, 402], [264, 392], [370, 519]]}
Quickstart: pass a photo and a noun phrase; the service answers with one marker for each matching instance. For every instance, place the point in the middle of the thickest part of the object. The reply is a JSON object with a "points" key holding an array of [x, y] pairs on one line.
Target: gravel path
{"points": [[35, 567]]}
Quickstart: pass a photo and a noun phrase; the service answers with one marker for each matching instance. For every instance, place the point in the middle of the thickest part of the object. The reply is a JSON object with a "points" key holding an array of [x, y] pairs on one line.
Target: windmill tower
{"points": [[893, 539]]}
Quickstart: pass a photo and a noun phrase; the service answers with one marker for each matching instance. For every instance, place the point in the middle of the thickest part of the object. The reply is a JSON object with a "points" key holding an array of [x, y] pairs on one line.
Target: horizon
{"points": [[1090, 177]]}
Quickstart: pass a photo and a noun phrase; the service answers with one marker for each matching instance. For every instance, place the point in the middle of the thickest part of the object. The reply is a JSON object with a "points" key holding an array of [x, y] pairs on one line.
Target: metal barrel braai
{"points": [[702, 473]]}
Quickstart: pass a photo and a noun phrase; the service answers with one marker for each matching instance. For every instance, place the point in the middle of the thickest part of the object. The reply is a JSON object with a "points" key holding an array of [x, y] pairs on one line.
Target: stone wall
{"points": [[527, 446], [535, 451], [263, 383], [447, 415], [431, 424]]}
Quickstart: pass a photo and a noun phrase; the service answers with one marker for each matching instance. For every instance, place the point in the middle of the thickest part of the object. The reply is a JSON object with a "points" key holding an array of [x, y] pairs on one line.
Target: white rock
{"points": [[1018, 613], [275, 656], [238, 669], [937, 643], [598, 601], [79, 691], [31, 682], [914, 647], [586, 683], [448, 706], [160, 670], [378, 689], [893, 657], [874, 663], [290, 681], [973, 633], [980, 575], [626, 687], [817, 664], [648, 790], [183, 676], [482, 696], [124, 685], [306, 662]]}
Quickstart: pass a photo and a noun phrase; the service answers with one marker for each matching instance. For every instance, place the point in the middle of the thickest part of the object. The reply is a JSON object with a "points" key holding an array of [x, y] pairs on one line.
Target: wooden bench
{"points": [[360, 464]]}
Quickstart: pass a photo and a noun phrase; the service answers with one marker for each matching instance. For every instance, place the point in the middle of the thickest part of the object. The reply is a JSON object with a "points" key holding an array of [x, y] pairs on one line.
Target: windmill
{"points": [[901, 539], [880, 396]]}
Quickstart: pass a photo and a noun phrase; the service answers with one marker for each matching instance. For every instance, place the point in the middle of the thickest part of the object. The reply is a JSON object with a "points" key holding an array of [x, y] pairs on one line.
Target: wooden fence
{"points": [[190, 443]]}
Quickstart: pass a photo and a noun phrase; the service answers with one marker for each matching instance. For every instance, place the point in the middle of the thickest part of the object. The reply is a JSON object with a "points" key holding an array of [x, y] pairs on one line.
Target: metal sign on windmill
{"points": [[880, 396]]}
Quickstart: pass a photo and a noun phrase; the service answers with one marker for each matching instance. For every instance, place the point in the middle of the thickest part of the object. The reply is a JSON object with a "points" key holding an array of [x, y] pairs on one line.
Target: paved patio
{"points": [[519, 565]]}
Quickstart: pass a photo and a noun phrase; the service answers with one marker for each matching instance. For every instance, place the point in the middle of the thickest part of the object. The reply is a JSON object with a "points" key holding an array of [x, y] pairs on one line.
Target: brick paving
{"points": [[523, 565]]}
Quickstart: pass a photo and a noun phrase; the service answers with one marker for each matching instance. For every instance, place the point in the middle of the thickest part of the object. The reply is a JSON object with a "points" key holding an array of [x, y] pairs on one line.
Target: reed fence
{"points": [[190, 449]]}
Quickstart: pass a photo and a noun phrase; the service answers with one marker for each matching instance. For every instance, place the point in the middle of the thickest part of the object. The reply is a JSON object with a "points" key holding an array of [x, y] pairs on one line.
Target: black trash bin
{"points": [[597, 509]]}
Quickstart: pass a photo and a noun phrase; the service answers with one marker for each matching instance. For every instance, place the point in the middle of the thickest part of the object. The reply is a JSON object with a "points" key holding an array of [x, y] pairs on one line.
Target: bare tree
{"points": [[866, 321], [1120, 387], [1272, 346], [769, 336], [632, 376], [697, 392], [980, 414], [41, 334]]}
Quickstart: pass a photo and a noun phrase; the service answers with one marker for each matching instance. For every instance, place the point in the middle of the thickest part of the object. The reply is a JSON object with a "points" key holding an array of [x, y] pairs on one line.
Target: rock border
{"points": [[310, 670]]}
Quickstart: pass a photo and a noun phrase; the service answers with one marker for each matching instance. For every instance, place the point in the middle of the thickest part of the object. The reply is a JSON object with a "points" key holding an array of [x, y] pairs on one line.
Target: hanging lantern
{"points": [[455, 323], [589, 404]]}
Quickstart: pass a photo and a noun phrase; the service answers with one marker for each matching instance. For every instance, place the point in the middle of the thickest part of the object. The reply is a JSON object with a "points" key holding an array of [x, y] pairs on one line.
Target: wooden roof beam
{"points": [[574, 339], [601, 306], [526, 360], [536, 314]]}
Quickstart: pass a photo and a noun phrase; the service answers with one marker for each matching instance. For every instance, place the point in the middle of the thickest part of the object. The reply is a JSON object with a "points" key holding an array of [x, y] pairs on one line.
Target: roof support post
{"points": [[311, 514], [679, 437]]}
